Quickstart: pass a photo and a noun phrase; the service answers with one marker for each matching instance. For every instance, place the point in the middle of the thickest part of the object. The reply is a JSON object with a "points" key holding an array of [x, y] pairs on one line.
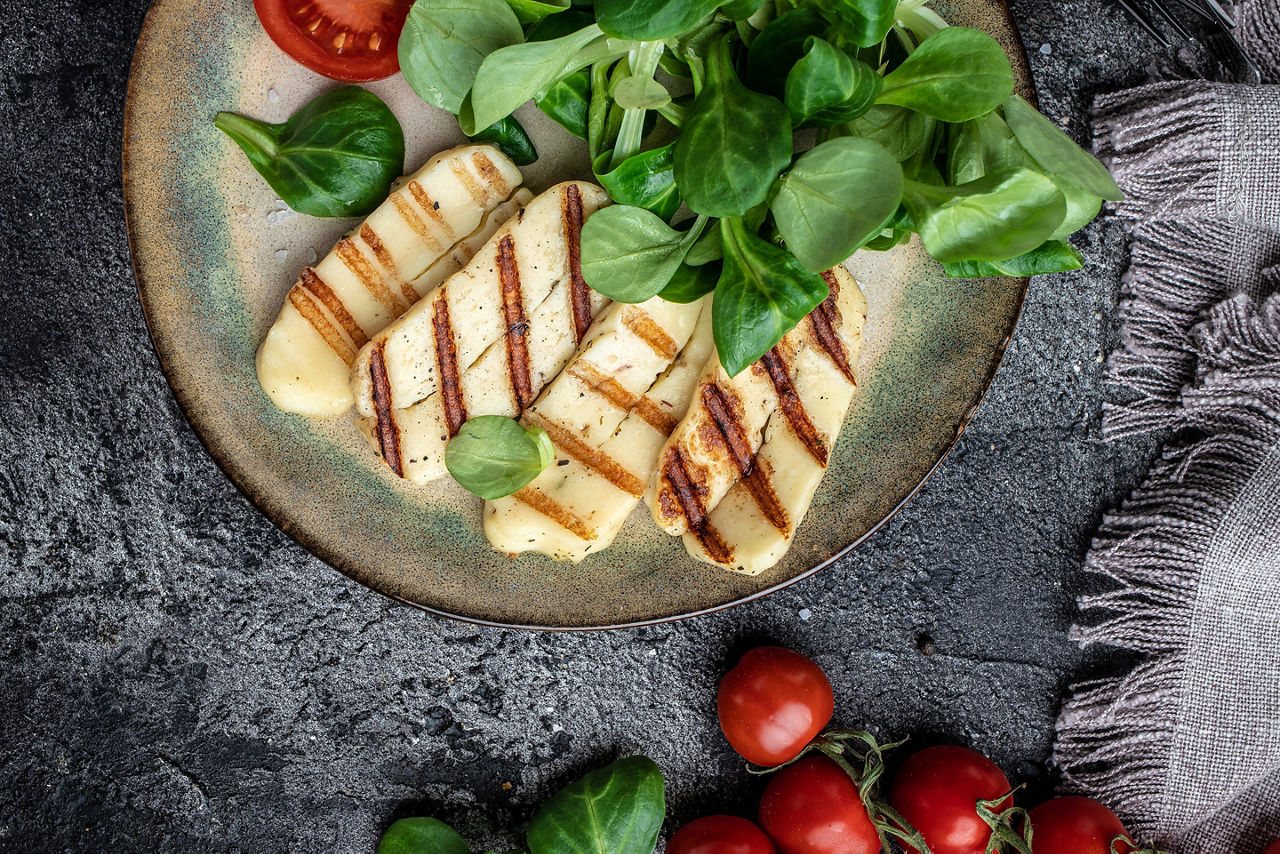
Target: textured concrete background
{"points": [[178, 674]]}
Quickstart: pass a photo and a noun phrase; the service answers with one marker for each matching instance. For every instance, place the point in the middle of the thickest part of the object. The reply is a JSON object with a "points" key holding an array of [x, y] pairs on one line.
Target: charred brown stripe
{"points": [[655, 416], [568, 443], [317, 288], [410, 216], [355, 261], [824, 320], [579, 292], [432, 208], [555, 512], [612, 391], [713, 545], [605, 385], [642, 325], [305, 304], [498, 186], [683, 498], [387, 430], [793, 407], [455, 408], [720, 405], [517, 323], [388, 264], [759, 485], [464, 176]]}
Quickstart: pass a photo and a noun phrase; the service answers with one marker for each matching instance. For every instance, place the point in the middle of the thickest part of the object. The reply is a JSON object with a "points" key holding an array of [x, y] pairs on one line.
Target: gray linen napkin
{"points": [[1186, 746]]}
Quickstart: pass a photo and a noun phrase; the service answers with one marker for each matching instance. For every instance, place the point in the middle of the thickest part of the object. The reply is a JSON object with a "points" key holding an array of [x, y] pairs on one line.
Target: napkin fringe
{"points": [[1116, 734], [1173, 275], [1142, 135]]}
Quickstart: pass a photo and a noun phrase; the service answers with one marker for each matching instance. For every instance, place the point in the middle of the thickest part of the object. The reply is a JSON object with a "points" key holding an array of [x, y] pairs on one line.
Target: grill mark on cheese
{"points": [[655, 416], [387, 430], [568, 443], [684, 496], [355, 261], [303, 302], [612, 391], [824, 319], [463, 174], [455, 408], [644, 328], [410, 216], [498, 187], [579, 292], [793, 407], [548, 507], [432, 209], [388, 264], [316, 287], [517, 323], [722, 406], [759, 484], [713, 545]]}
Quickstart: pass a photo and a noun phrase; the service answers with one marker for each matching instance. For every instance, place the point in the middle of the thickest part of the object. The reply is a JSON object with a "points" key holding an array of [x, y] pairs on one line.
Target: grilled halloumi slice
{"points": [[608, 413], [375, 273], [486, 341], [753, 526], [716, 443]]}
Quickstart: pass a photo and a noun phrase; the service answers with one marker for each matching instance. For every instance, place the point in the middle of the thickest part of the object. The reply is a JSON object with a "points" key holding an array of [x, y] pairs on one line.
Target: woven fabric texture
{"points": [[1186, 746]]}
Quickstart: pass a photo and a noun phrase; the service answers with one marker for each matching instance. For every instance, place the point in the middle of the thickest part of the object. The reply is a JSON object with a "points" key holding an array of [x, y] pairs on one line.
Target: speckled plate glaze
{"points": [[215, 252]]}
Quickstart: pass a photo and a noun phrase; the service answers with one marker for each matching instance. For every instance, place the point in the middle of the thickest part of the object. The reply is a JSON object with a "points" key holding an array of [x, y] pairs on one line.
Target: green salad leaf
{"points": [[445, 41], [863, 22], [646, 180], [999, 216], [617, 809], [1053, 256], [762, 294], [337, 156], [649, 20], [1056, 152], [493, 456], [955, 75], [629, 254], [836, 198], [567, 102], [510, 138], [422, 836], [512, 75], [779, 47], [827, 87], [533, 11], [733, 145]]}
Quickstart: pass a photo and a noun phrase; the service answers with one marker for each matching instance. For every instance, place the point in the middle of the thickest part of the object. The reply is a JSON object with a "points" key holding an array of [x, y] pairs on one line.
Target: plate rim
{"points": [[264, 504]]}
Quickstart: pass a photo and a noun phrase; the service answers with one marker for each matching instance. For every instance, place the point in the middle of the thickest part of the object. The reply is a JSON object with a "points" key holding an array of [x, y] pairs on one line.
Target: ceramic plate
{"points": [[215, 251]]}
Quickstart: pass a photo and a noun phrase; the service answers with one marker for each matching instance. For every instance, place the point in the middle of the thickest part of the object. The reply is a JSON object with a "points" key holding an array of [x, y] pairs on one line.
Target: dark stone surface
{"points": [[178, 674]]}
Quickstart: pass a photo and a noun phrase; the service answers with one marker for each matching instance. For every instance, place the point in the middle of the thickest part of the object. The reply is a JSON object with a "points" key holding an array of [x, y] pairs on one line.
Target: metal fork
{"points": [[1210, 18]]}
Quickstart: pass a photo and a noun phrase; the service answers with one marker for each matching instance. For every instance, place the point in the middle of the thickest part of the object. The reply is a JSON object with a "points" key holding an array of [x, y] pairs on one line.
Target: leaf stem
{"points": [[644, 62], [245, 130]]}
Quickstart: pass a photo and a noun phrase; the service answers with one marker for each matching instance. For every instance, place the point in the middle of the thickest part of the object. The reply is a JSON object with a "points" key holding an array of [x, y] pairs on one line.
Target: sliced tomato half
{"points": [[351, 40]]}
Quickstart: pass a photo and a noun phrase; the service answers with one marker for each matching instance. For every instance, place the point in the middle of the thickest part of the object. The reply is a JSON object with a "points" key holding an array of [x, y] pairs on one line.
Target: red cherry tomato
{"points": [[720, 834], [348, 40], [1075, 825], [812, 807], [937, 792], [772, 704]]}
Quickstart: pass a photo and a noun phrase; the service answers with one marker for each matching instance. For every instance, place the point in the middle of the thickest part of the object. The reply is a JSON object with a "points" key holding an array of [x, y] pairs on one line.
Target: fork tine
{"points": [[1145, 22], [1177, 25], [1198, 9], [1220, 13]]}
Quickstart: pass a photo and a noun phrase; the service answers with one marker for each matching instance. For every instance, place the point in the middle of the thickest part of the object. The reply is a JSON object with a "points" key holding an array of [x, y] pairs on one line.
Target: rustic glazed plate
{"points": [[215, 251]]}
